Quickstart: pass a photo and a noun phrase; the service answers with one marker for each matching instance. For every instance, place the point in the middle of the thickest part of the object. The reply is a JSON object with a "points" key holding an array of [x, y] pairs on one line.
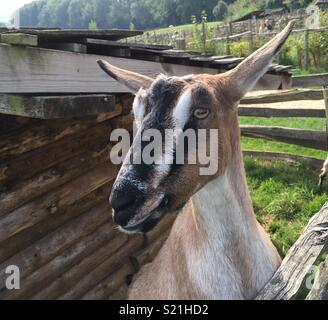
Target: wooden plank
{"points": [[50, 71], [11, 124], [25, 166], [54, 107], [39, 134], [32, 235], [290, 95], [65, 46], [208, 58], [98, 42], [73, 276], [296, 267], [69, 35], [22, 191], [306, 138], [259, 111], [104, 237], [20, 39], [51, 279], [56, 242], [99, 273], [57, 200], [310, 80]]}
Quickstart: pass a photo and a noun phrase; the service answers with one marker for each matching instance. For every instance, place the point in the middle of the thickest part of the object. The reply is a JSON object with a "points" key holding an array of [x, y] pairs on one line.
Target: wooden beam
{"points": [[310, 80], [21, 39], [46, 133], [32, 70], [99, 42], [259, 111], [62, 35], [305, 138], [290, 95], [297, 265], [30, 236], [17, 194], [103, 237], [55, 201], [65, 46], [37, 70], [54, 107], [49, 247]]}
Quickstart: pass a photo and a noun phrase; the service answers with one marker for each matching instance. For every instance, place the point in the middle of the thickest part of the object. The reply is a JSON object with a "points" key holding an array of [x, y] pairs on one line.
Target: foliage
{"points": [[242, 7], [93, 25], [143, 14], [220, 10]]}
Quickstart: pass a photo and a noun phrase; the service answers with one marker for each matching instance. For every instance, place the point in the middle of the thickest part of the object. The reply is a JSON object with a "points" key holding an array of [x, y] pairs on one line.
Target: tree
{"points": [[220, 10], [75, 20]]}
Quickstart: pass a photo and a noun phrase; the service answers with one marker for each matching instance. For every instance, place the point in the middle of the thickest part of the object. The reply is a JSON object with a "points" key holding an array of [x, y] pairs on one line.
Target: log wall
{"points": [[55, 220]]}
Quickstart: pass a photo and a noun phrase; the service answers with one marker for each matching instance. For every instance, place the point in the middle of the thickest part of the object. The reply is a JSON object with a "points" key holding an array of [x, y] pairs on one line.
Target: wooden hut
{"points": [[57, 109]]}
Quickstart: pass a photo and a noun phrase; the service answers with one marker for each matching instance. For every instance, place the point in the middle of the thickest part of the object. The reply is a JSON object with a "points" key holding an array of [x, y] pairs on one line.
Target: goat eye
{"points": [[201, 113]]}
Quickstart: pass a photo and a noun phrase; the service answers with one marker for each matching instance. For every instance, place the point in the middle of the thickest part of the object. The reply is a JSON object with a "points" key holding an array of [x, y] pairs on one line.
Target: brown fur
{"points": [[216, 248]]}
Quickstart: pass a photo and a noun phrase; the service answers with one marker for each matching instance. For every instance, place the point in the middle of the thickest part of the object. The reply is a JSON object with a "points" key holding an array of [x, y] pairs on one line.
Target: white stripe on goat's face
{"points": [[181, 112]]}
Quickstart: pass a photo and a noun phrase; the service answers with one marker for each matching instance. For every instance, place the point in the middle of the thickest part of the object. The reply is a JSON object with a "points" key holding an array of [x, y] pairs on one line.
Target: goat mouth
{"points": [[149, 222]]}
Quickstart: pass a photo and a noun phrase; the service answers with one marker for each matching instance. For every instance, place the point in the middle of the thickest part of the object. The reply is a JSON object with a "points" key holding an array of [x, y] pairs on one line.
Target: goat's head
{"points": [[143, 193]]}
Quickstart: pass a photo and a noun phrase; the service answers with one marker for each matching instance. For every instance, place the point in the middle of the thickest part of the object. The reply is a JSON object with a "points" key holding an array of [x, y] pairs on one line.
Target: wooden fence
{"points": [[202, 38], [306, 138]]}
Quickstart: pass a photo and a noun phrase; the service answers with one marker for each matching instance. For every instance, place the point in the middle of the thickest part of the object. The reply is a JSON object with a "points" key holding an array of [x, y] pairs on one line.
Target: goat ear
{"points": [[132, 80], [244, 77]]}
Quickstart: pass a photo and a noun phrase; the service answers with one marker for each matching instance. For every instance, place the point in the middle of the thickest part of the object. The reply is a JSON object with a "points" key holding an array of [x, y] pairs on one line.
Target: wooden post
{"points": [[181, 44], [251, 46], [228, 35], [325, 96], [204, 35], [306, 49]]}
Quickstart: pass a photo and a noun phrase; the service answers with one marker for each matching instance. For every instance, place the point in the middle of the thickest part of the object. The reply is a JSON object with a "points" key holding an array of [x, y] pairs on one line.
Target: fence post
{"points": [[306, 49], [251, 46], [228, 35], [204, 35], [325, 97]]}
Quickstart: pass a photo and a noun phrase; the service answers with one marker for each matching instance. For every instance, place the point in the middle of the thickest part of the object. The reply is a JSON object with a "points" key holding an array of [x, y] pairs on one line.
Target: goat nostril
{"points": [[123, 201]]}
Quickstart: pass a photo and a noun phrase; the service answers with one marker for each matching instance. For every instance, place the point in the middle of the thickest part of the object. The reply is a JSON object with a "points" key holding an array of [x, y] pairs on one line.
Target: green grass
{"points": [[274, 146], [284, 196]]}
